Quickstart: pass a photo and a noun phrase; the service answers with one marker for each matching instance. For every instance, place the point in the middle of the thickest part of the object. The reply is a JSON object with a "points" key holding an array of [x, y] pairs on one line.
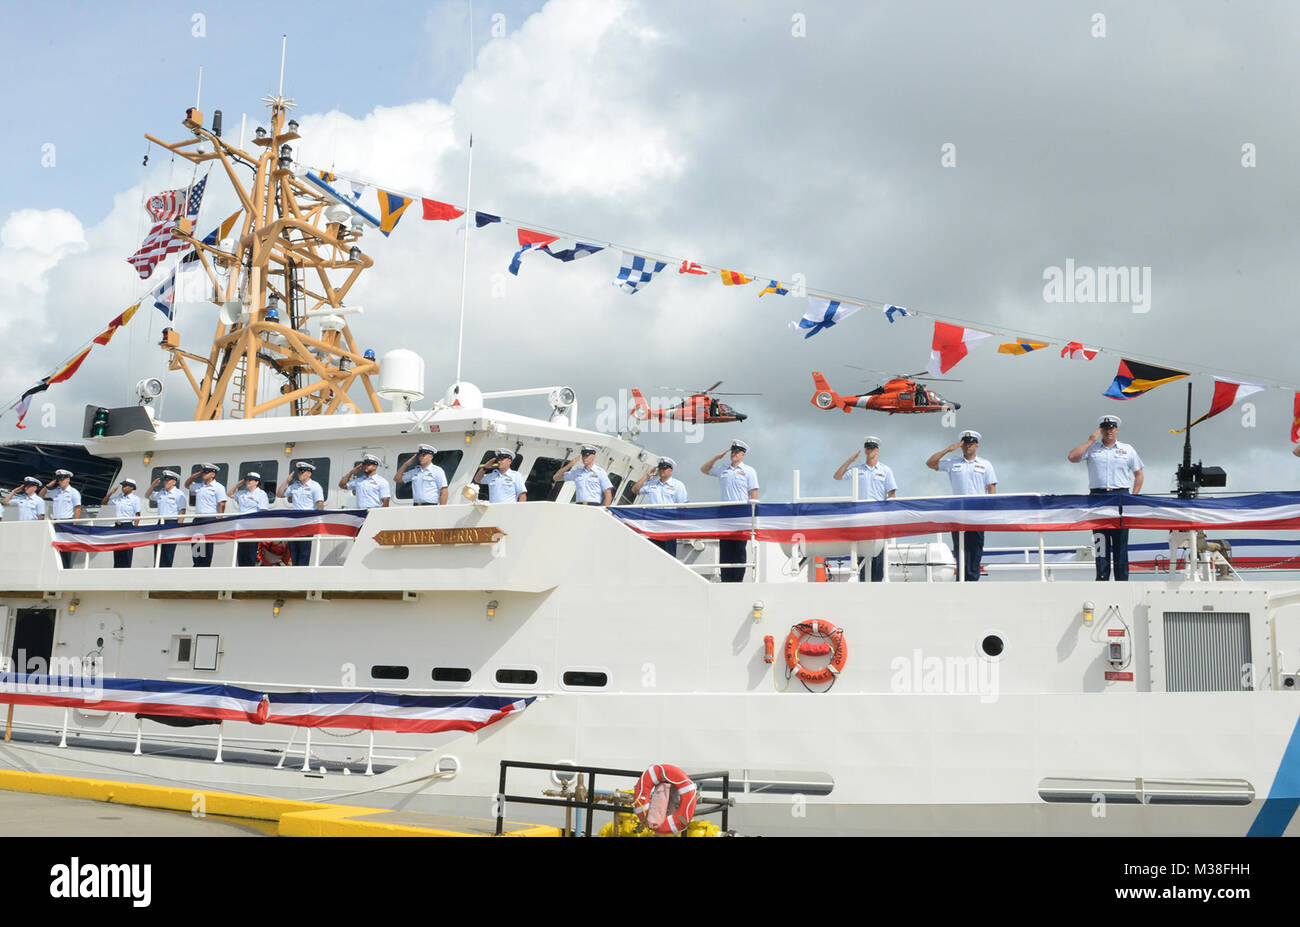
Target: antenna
{"points": [[469, 215], [284, 42], [199, 92]]}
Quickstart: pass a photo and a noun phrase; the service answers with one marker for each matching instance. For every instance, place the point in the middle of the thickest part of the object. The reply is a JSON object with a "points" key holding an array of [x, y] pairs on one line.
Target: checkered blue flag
{"points": [[636, 271]]}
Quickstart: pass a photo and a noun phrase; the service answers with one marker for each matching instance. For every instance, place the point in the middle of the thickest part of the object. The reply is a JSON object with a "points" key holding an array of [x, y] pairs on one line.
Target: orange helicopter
{"points": [[701, 406], [900, 394]]}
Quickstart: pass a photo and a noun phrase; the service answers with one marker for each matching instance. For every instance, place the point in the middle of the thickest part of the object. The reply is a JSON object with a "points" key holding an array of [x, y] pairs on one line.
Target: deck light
{"points": [[288, 448], [275, 609], [260, 132], [148, 456], [1088, 611], [293, 125], [492, 609], [72, 606], [354, 254], [758, 609]]}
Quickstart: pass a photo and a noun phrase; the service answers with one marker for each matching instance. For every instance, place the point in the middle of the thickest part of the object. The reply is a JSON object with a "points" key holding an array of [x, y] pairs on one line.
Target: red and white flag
{"points": [[1226, 393], [1076, 351], [690, 267], [951, 343]]}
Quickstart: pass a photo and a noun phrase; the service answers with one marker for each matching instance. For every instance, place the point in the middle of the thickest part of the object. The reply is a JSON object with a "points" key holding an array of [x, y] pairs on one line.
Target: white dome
{"points": [[401, 375], [464, 395]]}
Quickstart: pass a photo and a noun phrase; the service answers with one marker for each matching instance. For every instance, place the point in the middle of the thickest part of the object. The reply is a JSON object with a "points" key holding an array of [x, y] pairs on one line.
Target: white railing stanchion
{"points": [[961, 556], [63, 738], [370, 754], [139, 736], [221, 727], [1042, 559], [795, 494]]}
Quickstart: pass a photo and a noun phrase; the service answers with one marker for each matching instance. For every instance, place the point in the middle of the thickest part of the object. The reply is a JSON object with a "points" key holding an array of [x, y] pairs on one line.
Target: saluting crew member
{"points": [[875, 484], [370, 488], [664, 489], [739, 482], [30, 505], [591, 485], [126, 508], [249, 497], [65, 504], [969, 475], [304, 494], [1113, 467], [171, 501], [209, 499], [428, 480], [504, 484]]}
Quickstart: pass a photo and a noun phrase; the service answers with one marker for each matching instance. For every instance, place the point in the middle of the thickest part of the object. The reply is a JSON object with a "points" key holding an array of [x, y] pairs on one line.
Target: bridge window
{"points": [[628, 496], [270, 470], [156, 474], [516, 677], [540, 485], [448, 460]]}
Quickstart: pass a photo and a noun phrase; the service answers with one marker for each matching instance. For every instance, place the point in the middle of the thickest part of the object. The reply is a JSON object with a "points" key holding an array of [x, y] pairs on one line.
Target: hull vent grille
{"points": [[1207, 651]]}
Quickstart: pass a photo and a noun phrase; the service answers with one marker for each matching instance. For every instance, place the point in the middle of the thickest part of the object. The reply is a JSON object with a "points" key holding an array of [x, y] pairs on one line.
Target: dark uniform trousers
{"points": [[123, 558], [669, 546], [1110, 546], [974, 552], [877, 569], [730, 551], [167, 552]]}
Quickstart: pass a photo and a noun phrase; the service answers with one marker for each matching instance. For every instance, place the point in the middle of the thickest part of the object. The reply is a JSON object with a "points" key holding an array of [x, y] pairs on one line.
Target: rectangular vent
{"points": [[1207, 651]]}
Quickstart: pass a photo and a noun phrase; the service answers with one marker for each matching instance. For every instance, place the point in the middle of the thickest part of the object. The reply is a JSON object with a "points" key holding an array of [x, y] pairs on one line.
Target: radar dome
{"points": [[464, 395], [401, 376]]}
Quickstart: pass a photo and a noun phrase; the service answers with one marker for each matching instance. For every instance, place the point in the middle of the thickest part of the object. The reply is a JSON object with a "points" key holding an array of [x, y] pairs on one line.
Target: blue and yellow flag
{"points": [[775, 286], [1023, 346], [391, 207], [1135, 379]]}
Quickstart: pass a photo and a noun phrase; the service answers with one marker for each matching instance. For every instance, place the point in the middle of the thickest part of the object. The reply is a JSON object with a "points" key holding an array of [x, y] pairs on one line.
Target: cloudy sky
{"points": [[940, 156]]}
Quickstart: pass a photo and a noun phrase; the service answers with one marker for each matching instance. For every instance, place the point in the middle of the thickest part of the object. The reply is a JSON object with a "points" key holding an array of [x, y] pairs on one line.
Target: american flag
{"points": [[160, 242], [168, 205]]}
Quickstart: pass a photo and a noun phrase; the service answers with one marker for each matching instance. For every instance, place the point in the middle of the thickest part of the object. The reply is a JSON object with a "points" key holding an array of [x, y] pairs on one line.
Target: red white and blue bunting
{"points": [[254, 526], [377, 711]]}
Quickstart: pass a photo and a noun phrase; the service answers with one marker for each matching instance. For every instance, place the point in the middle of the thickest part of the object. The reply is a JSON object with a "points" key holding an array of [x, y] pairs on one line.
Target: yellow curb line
{"points": [[295, 818]]}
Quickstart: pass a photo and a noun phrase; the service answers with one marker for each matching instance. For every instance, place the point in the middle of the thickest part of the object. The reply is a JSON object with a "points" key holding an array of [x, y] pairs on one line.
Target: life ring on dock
{"points": [[263, 711], [665, 799], [831, 641]]}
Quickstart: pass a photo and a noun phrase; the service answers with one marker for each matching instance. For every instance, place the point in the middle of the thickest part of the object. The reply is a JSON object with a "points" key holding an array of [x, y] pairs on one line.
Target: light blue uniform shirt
{"points": [[30, 508], [736, 481], [874, 483], [371, 491], [63, 502], [251, 500], [207, 496], [658, 492], [170, 502], [968, 477], [1111, 467], [304, 495], [589, 485], [504, 487], [126, 507], [427, 483]]}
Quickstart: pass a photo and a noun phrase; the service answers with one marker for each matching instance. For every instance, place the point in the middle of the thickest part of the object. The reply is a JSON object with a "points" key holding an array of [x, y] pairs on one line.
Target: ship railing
{"points": [[83, 560], [579, 796]]}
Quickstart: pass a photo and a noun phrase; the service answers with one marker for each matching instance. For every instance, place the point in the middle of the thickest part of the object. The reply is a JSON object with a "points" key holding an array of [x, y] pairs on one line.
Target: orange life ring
{"points": [[653, 804], [263, 710], [816, 627]]}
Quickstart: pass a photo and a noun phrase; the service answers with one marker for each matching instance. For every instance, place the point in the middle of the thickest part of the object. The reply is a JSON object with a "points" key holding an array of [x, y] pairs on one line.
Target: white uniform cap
{"points": [[871, 439], [971, 434], [303, 465], [60, 474], [667, 462], [588, 449], [504, 452], [425, 449], [127, 482], [253, 475], [370, 458], [170, 475], [1110, 418], [31, 481], [208, 466], [740, 444]]}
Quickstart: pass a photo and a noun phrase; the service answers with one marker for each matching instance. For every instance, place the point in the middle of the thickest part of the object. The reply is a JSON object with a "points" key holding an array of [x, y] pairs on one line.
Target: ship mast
{"points": [[286, 238]]}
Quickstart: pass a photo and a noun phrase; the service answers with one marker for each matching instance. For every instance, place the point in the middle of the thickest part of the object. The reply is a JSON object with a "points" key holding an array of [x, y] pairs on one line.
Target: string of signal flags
{"points": [[951, 341], [952, 338]]}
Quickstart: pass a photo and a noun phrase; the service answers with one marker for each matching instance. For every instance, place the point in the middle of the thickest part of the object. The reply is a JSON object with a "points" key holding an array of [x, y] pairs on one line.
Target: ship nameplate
{"points": [[422, 537]]}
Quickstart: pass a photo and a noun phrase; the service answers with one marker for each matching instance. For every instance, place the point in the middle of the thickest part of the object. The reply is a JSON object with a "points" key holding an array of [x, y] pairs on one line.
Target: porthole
{"points": [[451, 674], [516, 677], [992, 645], [387, 671], [586, 678]]}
